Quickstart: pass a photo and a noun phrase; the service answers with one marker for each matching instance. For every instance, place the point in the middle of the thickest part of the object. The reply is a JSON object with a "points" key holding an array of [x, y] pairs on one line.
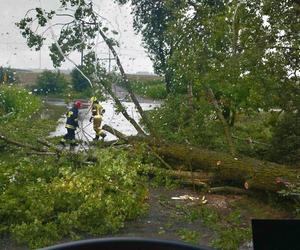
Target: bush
{"points": [[286, 140], [49, 82], [19, 102], [154, 88], [40, 206]]}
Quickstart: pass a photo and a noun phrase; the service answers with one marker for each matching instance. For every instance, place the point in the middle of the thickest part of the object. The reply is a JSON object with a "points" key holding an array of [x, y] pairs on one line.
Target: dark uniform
{"points": [[71, 125]]}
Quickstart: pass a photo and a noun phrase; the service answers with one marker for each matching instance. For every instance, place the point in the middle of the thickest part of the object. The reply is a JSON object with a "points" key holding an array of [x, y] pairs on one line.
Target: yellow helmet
{"points": [[93, 99]]}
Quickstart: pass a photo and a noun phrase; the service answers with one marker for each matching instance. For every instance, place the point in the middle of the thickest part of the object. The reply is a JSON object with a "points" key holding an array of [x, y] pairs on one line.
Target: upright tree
{"points": [[51, 82], [246, 52], [151, 18]]}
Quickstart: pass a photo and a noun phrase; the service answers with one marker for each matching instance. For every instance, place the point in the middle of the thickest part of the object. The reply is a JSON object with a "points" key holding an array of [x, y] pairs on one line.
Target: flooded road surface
{"points": [[111, 118]]}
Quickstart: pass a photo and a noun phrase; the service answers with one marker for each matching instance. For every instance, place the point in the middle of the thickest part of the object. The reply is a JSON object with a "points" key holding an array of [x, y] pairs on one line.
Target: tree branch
{"points": [[226, 127], [20, 144], [127, 84], [123, 110], [63, 24]]}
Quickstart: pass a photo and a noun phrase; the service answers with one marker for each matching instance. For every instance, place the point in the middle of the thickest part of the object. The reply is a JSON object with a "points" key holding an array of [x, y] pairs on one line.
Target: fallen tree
{"points": [[227, 169], [21, 144], [204, 167], [252, 174], [223, 168]]}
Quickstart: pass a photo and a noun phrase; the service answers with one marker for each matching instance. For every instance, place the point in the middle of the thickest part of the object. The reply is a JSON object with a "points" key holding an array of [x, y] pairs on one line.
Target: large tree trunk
{"points": [[222, 168], [239, 171]]}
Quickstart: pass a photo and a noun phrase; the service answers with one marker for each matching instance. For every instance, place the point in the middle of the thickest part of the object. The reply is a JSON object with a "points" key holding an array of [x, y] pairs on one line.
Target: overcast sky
{"points": [[15, 53]]}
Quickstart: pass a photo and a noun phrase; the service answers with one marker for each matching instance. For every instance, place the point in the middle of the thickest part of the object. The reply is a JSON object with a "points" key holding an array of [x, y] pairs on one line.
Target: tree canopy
{"points": [[248, 51]]}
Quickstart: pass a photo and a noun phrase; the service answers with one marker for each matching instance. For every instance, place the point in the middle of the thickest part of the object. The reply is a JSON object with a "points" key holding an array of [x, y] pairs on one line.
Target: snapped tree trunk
{"points": [[241, 171]]}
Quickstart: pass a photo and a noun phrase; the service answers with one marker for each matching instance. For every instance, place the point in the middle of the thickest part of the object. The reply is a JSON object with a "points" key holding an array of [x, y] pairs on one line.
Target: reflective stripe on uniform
{"points": [[96, 109], [70, 126], [98, 117]]}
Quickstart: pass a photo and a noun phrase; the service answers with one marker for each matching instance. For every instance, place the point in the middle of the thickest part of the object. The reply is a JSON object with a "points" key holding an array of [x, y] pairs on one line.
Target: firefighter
{"points": [[71, 124], [97, 116]]}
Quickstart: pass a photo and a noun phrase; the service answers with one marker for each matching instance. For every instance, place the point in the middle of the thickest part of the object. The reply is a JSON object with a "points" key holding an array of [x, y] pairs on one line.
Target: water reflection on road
{"points": [[111, 118]]}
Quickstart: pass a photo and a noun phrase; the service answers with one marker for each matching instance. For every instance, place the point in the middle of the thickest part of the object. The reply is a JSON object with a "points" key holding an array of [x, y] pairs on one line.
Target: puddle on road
{"points": [[110, 118]]}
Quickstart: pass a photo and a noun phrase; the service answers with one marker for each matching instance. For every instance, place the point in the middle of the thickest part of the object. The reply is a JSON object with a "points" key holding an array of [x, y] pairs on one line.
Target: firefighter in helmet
{"points": [[71, 124], [97, 116]]}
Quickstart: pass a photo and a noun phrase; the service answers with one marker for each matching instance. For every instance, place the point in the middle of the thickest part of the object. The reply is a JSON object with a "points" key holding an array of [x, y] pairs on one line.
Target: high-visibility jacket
{"points": [[97, 110], [72, 118]]}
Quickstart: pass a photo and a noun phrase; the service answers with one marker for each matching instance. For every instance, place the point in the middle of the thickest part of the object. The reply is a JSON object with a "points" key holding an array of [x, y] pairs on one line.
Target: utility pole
{"points": [[81, 61], [109, 59]]}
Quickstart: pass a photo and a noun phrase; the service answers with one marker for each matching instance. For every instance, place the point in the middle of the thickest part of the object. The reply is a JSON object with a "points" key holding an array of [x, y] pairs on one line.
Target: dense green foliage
{"points": [[43, 200], [42, 205], [25, 117], [230, 48], [79, 82], [154, 89], [51, 83], [177, 122], [17, 103], [263, 135], [286, 140], [246, 53]]}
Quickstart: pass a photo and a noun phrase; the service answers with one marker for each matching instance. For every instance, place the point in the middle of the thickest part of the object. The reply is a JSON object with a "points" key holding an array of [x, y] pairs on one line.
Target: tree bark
{"points": [[114, 132], [204, 178], [223, 168], [229, 190], [244, 172], [168, 80]]}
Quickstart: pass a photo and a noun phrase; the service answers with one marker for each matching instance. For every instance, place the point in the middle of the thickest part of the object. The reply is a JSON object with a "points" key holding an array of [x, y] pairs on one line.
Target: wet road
{"points": [[111, 118]]}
